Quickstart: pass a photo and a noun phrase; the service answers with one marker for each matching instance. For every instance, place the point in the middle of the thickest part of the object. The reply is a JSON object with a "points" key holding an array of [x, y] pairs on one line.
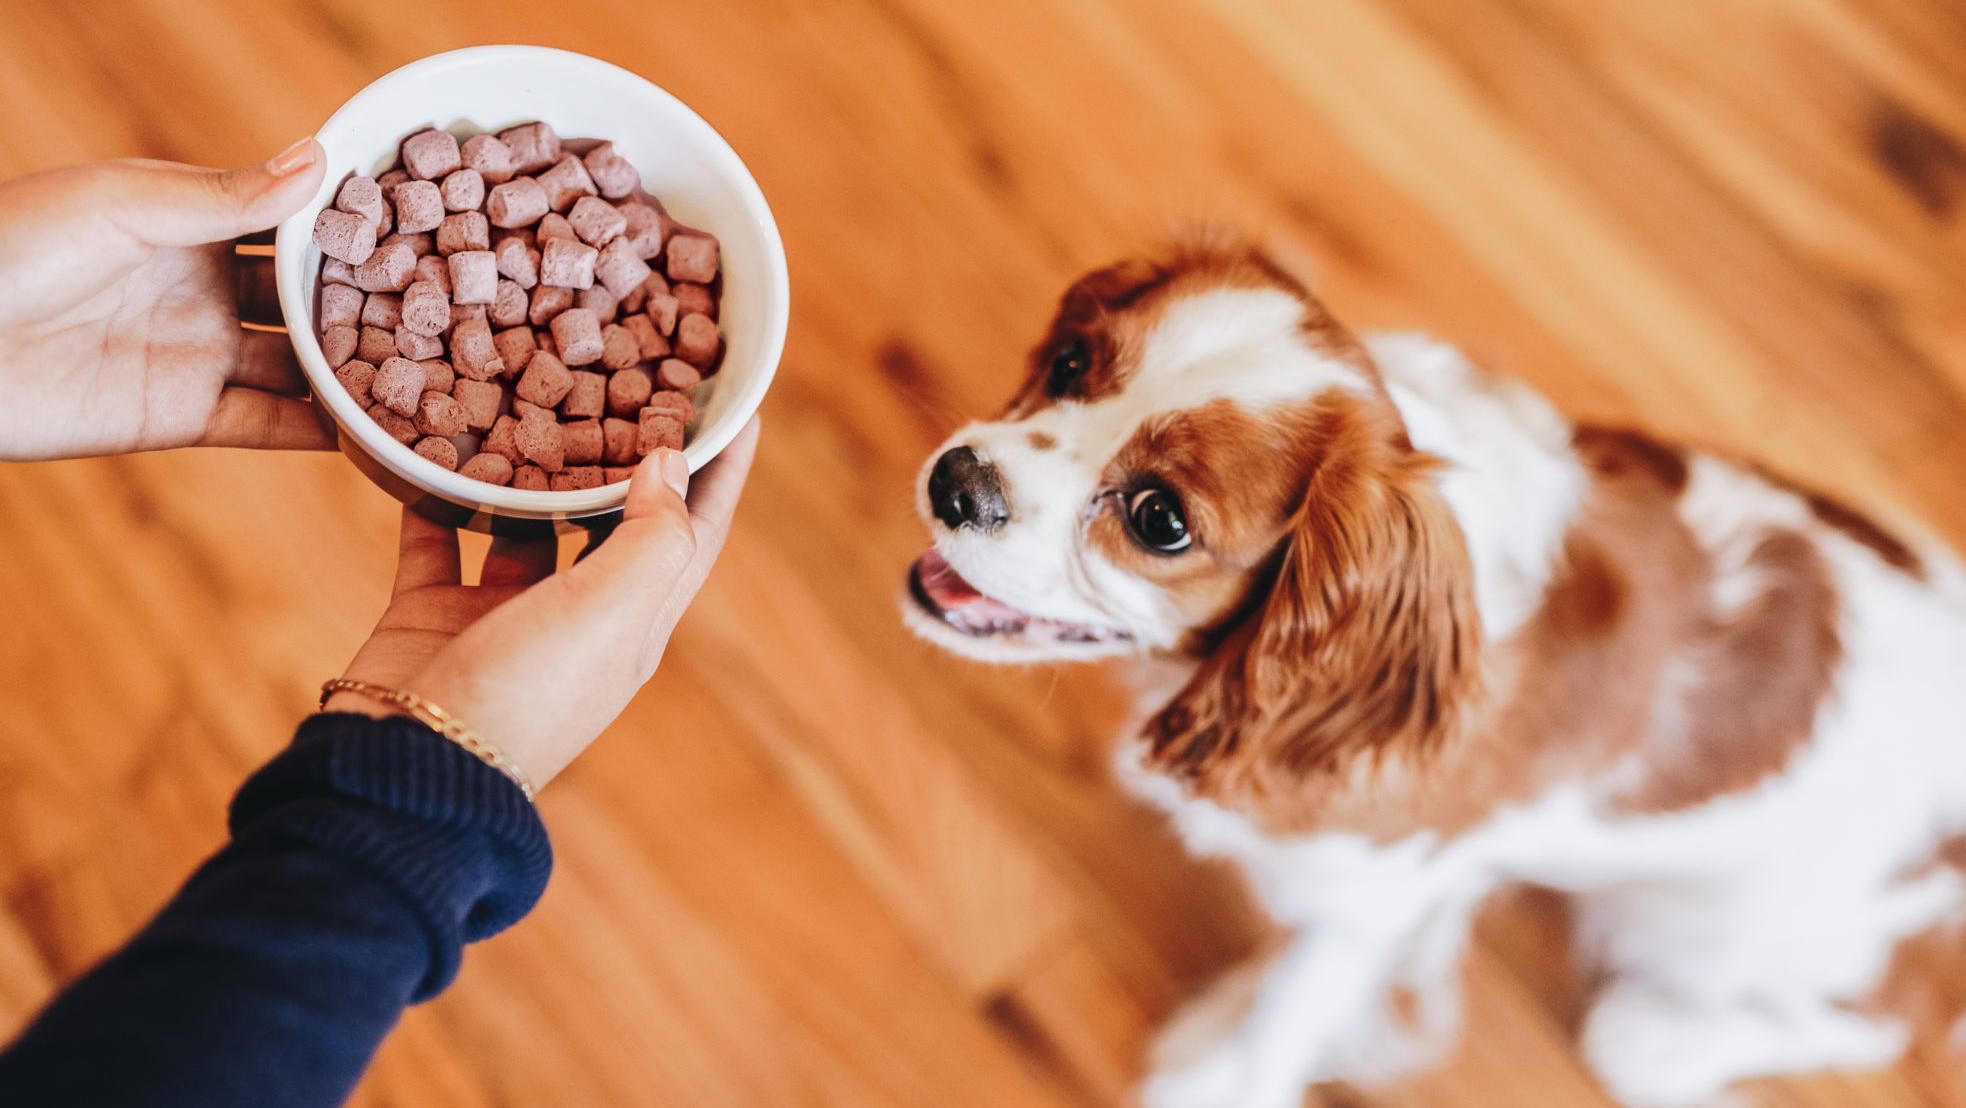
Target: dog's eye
{"points": [[1156, 519], [1068, 364]]}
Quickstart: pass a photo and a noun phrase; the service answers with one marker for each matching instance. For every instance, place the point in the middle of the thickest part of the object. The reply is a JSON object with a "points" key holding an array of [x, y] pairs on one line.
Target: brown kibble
{"points": [[531, 478], [577, 336], [480, 400], [438, 413], [431, 154], [398, 385], [358, 378], [541, 440], [463, 190], [598, 300], [509, 306], [419, 242], [619, 350], [462, 231], [419, 207], [473, 352], [546, 381], [675, 402], [491, 158], [533, 146], [338, 345], [553, 226], [398, 427], [693, 298], [587, 399], [417, 347], [341, 306], [548, 301], [616, 474], [515, 346], [595, 220], [583, 441], [390, 269], [334, 271], [611, 173], [663, 311], [435, 270], [440, 450], [618, 440], [344, 236], [566, 182], [425, 309], [638, 297], [643, 230], [503, 439], [691, 257], [620, 269], [674, 373], [517, 202], [518, 261], [696, 340], [375, 346], [649, 346], [438, 376], [492, 469], [629, 392], [576, 478], [658, 429], [382, 309], [362, 196]]}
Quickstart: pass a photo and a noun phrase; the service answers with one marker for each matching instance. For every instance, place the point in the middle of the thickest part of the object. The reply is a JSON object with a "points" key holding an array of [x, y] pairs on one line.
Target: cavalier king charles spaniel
{"points": [[1409, 636]]}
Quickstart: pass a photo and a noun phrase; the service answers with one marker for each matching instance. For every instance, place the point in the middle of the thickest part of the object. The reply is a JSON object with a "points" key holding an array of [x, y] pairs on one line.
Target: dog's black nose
{"points": [[965, 489]]}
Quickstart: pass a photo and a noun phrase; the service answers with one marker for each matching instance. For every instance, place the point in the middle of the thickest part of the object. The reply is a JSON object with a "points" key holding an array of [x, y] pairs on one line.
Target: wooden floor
{"points": [[817, 862]]}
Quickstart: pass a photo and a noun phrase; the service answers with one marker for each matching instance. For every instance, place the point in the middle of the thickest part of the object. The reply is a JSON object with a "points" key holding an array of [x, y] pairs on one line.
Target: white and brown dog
{"points": [[1427, 638]]}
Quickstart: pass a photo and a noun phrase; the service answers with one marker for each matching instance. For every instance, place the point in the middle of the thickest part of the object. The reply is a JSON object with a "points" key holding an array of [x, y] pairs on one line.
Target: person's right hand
{"points": [[539, 663]]}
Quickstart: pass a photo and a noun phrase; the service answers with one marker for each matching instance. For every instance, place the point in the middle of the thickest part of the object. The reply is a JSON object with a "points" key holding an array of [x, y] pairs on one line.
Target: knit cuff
{"points": [[454, 836]]}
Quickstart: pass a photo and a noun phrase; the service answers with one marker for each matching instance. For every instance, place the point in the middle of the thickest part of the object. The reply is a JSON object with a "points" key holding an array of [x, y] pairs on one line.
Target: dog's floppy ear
{"points": [[1363, 639]]}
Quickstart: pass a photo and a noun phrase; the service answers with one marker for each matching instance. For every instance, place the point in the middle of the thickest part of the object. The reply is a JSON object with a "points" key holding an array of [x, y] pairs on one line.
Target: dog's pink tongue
{"points": [[943, 584]]}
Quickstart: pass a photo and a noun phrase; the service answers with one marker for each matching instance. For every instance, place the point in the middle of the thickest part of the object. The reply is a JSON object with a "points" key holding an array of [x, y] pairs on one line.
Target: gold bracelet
{"points": [[436, 719]]}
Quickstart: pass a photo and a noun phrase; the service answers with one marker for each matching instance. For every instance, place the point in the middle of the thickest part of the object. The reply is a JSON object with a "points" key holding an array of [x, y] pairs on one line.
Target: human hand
{"points": [[119, 329], [539, 663]]}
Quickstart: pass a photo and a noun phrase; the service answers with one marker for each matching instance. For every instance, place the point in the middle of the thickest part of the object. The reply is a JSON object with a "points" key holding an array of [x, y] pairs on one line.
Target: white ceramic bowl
{"points": [[683, 162]]}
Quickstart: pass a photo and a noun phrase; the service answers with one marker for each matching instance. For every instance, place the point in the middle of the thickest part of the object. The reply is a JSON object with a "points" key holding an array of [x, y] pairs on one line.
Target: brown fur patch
{"points": [[1041, 441], [1864, 531], [1613, 452]]}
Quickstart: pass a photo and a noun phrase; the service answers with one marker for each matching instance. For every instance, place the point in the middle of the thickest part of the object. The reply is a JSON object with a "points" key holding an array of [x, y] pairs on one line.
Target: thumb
{"points": [[167, 204]]}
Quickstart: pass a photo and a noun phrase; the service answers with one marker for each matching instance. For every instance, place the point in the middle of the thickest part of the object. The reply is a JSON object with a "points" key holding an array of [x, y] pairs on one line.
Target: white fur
{"points": [[1735, 933]]}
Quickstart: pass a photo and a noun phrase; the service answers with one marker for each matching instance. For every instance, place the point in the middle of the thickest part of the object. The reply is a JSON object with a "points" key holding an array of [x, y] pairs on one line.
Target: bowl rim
{"points": [[295, 235]]}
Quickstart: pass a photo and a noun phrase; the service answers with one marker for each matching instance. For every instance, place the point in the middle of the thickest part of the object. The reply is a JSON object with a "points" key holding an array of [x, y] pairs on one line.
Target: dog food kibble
{"points": [[516, 309]]}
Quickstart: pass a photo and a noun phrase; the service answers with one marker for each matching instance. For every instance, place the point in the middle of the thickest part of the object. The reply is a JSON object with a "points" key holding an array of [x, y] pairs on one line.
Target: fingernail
{"points": [[675, 471], [293, 159]]}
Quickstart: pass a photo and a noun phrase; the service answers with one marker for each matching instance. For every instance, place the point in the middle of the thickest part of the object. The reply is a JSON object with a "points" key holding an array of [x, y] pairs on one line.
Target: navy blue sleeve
{"points": [[362, 859]]}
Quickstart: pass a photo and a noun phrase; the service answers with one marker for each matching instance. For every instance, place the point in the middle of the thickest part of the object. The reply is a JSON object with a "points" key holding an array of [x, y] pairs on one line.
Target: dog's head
{"points": [[1202, 461]]}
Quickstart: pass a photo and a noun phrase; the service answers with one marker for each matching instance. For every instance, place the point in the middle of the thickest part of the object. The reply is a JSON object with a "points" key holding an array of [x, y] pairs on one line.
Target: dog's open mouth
{"points": [[943, 593]]}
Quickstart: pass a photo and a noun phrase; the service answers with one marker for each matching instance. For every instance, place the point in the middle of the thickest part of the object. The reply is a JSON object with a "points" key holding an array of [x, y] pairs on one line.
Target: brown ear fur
{"points": [[1366, 640]]}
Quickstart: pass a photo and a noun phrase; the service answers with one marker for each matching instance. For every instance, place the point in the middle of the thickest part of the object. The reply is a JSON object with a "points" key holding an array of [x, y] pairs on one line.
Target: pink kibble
{"points": [[545, 340], [576, 478], [674, 373], [554, 226], [546, 381], [388, 182], [463, 312], [629, 391], [643, 228], [490, 157], [583, 441], [517, 261], [375, 345], [515, 345], [480, 400], [530, 478], [638, 297], [438, 413], [417, 347], [420, 243], [474, 276], [463, 191], [541, 441], [618, 440], [658, 430], [577, 336], [462, 231], [566, 182], [419, 207], [439, 450], [473, 352], [431, 154], [696, 340], [693, 298], [587, 399], [567, 263], [517, 202], [358, 378], [436, 270], [503, 439], [595, 220], [390, 269], [534, 146], [362, 196], [334, 271], [398, 385], [614, 475], [548, 301], [675, 402], [382, 309], [437, 375], [341, 306], [649, 345], [489, 468], [620, 269], [398, 427], [619, 350], [663, 311], [338, 345], [509, 305], [344, 236], [611, 173], [425, 308], [599, 300], [692, 257], [522, 409]]}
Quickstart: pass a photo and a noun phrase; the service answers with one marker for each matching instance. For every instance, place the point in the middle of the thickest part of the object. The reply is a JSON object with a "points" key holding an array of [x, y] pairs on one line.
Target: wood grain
{"points": [[817, 862]]}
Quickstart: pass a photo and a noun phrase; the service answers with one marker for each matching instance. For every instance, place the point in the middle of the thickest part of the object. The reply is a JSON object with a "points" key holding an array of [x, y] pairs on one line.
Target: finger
{"points": [[266, 362], [521, 562], [258, 420], [427, 556], [646, 556], [256, 291], [714, 492], [167, 204]]}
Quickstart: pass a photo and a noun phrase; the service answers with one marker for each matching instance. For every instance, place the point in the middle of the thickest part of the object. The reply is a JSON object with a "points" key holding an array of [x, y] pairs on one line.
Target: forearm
{"points": [[362, 860]]}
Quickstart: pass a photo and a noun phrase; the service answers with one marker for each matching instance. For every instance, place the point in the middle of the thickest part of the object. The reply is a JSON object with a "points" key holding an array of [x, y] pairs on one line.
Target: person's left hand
{"points": [[118, 325]]}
